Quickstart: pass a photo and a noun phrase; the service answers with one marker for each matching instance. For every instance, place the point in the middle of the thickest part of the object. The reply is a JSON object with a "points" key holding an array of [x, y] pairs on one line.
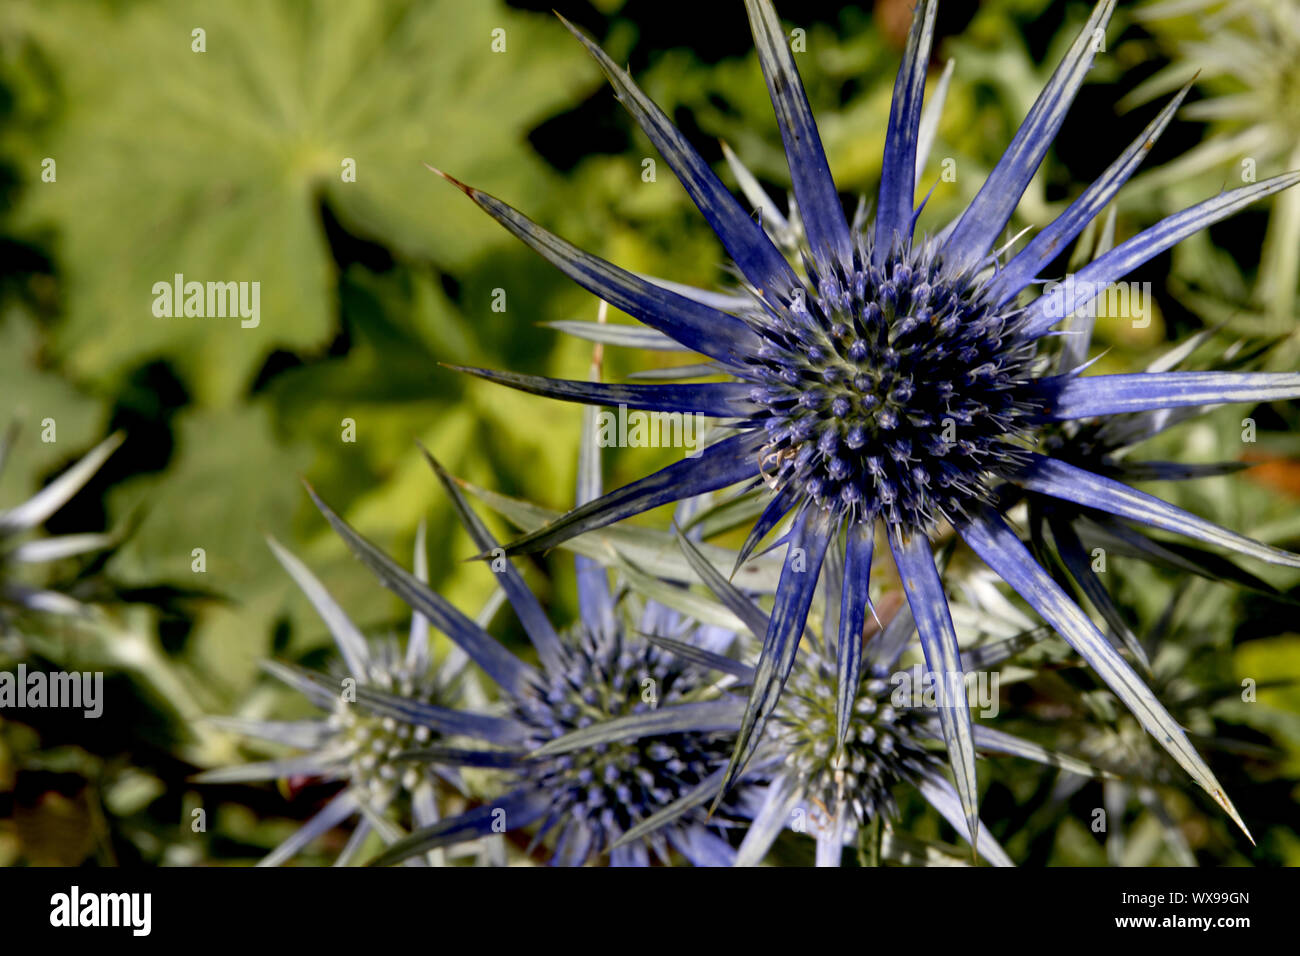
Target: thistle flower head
{"points": [[580, 794], [896, 391], [808, 777], [374, 745], [598, 793], [844, 368], [366, 749], [884, 745]]}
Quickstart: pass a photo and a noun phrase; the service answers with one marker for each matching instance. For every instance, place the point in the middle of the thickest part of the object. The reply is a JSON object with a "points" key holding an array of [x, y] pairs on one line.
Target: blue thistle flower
{"points": [[671, 733], [17, 595], [895, 379], [364, 749], [810, 780]]}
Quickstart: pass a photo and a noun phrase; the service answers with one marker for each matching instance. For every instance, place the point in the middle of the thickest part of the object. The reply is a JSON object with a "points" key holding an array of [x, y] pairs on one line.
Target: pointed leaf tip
{"points": [[1222, 800], [467, 190]]}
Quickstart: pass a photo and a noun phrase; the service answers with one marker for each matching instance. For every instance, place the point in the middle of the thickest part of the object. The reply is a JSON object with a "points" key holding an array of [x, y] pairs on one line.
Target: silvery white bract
{"points": [[881, 377], [18, 521]]}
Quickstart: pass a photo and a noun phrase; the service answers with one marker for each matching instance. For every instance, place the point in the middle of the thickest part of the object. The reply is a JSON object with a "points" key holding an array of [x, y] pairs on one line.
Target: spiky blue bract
{"points": [[900, 379], [1092, 423]]}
